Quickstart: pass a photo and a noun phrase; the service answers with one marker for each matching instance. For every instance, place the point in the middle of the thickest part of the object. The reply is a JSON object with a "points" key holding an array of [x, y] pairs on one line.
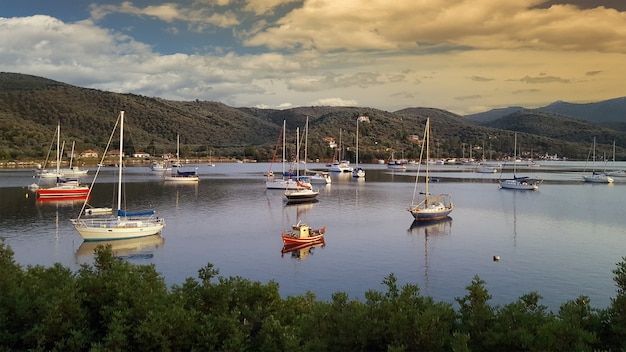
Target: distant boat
{"points": [[122, 225], [321, 177], [395, 164], [358, 171], [74, 171], [615, 172], [288, 179], [181, 176], [596, 177], [304, 192], [429, 208], [160, 166], [519, 183], [339, 164], [65, 187]]}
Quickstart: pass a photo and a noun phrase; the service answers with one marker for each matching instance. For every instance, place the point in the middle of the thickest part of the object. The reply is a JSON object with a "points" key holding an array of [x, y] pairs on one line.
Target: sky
{"points": [[464, 56]]}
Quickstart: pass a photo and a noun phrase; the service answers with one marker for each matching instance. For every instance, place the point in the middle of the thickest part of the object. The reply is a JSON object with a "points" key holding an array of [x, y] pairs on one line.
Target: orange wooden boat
{"points": [[303, 233]]}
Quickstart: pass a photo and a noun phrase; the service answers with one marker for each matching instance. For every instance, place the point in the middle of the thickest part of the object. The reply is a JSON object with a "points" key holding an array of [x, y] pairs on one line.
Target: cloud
{"points": [[388, 55], [333, 102], [469, 97], [169, 12], [473, 24], [544, 79], [480, 79]]}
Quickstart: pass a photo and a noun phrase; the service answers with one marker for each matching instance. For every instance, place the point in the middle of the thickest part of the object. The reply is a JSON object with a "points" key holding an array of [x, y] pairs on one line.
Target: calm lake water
{"points": [[562, 241]]}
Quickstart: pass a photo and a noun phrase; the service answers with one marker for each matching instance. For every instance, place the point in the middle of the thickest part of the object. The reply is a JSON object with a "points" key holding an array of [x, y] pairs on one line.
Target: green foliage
{"points": [[113, 305]]}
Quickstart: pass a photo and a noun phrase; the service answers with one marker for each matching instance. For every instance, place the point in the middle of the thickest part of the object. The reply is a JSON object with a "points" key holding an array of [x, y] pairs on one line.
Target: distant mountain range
{"points": [[31, 107], [613, 110]]}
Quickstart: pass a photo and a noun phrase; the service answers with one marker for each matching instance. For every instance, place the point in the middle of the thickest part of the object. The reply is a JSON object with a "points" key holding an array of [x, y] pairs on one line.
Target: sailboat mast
{"points": [[58, 146], [306, 142], [357, 143], [284, 134], [515, 155], [119, 180], [427, 159], [297, 153], [594, 154]]}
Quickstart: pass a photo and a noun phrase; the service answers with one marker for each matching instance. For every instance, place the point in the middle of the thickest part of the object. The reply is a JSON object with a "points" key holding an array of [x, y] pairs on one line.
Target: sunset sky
{"points": [[459, 55]]}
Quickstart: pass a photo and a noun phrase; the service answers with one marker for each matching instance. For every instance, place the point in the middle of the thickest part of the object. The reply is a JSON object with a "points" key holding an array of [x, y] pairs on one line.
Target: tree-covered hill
{"points": [[31, 107]]}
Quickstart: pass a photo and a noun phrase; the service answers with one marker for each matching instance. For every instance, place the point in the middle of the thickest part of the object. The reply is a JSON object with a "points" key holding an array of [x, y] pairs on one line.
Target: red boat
{"points": [[302, 234], [61, 191]]}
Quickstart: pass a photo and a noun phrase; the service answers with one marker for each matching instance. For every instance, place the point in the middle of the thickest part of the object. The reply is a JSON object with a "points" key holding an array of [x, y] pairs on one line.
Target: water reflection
{"points": [[426, 229], [301, 251], [134, 248]]}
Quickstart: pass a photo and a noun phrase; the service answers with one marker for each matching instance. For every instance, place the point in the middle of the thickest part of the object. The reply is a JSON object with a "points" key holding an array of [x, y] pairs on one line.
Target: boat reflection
{"points": [[301, 251], [133, 248], [427, 229], [434, 227]]}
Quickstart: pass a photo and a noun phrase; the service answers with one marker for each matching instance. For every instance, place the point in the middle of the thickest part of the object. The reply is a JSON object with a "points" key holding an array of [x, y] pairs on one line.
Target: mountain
{"points": [[31, 107], [607, 111], [613, 110]]}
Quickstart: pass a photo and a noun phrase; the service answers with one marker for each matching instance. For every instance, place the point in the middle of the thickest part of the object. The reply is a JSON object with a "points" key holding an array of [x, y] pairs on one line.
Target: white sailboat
{"points": [[615, 172], [339, 164], [317, 176], [286, 181], [429, 208], [181, 176], [596, 177], [303, 193], [519, 183], [73, 170], [124, 224], [358, 171], [65, 188]]}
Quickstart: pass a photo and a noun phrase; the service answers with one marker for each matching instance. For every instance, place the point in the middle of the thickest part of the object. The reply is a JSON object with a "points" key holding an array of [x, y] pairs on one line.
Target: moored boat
{"points": [[302, 233]]}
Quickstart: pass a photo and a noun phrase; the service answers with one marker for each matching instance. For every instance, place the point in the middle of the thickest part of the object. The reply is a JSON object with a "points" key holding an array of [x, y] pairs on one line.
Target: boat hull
{"points": [[182, 179], [109, 229], [528, 184], [63, 191], [598, 178], [421, 214], [294, 237]]}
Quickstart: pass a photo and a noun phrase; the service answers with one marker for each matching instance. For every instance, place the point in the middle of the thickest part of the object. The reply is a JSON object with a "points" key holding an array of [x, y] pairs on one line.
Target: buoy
{"points": [[496, 258]]}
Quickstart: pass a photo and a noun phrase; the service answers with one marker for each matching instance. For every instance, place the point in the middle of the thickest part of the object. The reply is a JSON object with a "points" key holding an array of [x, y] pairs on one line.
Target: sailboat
{"points": [[596, 177], [339, 164], [181, 176], [615, 172], [73, 170], [318, 176], [64, 188], [519, 183], [358, 171], [124, 224], [286, 181], [430, 208], [303, 192]]}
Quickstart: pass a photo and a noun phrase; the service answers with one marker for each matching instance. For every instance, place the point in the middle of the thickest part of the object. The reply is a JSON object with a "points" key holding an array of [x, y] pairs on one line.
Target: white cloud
{"points": [[385, 55], [333, 102]]}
